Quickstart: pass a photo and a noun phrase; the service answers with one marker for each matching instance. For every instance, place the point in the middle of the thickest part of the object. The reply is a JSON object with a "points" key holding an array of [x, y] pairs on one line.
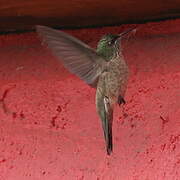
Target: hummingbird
{"points": [[103, 68]]}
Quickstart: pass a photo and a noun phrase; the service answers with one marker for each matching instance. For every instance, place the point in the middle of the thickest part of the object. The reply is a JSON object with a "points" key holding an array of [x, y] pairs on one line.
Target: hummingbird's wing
{"points": [[76, 56]]}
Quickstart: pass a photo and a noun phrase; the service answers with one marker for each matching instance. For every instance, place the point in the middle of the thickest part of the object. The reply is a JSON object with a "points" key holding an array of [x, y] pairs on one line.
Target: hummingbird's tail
{"points": [[107, 124], [106, 114]]}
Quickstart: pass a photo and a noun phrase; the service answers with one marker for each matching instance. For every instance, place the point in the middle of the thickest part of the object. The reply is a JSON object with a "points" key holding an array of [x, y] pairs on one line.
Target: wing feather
{"points": [[76, 56]]}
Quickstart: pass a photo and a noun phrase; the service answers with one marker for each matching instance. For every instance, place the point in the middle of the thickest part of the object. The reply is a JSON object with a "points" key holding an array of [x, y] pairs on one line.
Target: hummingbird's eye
{"points": [[110, 43]]}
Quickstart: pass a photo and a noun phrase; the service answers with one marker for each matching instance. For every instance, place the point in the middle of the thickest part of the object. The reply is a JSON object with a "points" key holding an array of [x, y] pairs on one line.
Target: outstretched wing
{"points": [[76, 56]]}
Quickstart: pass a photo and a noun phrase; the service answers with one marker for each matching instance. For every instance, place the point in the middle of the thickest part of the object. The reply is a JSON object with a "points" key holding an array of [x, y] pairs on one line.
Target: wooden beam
{"points": [[23, 15]]}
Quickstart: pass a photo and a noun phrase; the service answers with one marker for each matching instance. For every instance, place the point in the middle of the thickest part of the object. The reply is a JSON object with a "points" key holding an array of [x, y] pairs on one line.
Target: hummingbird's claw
{"points": [[121, 100]]}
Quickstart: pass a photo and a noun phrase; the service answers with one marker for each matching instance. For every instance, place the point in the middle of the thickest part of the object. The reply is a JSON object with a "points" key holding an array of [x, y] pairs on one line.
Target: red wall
{"points": [[49, 128]]}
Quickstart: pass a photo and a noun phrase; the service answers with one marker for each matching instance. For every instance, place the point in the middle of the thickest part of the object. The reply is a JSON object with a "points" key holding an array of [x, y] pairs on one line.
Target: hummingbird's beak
{"points": [[126, 32]]}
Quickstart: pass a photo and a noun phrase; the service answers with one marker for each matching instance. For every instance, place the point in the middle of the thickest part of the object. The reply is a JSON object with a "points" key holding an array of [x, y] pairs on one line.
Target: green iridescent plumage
{"points": [[107, 46]]}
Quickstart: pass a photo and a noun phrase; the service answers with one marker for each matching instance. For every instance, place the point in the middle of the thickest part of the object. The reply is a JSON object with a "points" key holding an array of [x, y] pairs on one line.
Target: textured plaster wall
{"points": [[49, 129]]}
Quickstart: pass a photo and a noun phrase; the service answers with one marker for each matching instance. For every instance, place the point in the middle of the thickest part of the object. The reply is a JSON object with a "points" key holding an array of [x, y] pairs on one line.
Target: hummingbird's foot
{"points": [[121, 100]]}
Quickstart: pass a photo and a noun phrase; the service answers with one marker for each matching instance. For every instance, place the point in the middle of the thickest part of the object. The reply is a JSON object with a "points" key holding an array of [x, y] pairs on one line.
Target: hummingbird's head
{"points": [[109, 45]]}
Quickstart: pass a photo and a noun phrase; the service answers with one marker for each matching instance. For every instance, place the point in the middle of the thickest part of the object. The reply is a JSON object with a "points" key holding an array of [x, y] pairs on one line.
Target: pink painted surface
{"points": [[49, 129]]}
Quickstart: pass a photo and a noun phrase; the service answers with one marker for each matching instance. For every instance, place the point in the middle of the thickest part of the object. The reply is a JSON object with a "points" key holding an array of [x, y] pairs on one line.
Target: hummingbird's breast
{"points": [[116, 78]]}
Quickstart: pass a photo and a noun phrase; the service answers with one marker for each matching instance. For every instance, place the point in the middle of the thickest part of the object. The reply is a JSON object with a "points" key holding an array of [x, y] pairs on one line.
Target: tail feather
{"points": [[106, 114]]}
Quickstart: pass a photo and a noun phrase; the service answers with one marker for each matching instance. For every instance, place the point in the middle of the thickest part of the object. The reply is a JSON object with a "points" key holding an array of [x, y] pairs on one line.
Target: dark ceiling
{"points": [[23, 15]]}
